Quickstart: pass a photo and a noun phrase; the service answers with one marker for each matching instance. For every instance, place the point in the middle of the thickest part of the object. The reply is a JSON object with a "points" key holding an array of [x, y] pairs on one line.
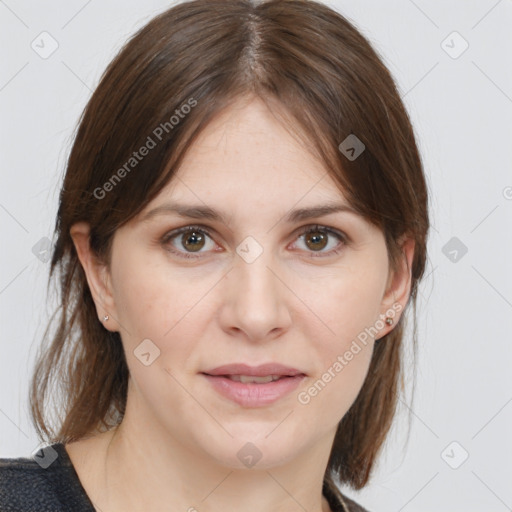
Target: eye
{"points": [[193, 239], [316, 238]]}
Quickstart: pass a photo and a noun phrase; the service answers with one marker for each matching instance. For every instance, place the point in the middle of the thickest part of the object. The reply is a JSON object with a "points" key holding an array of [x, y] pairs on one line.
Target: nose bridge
{"points": [[257, 296], [252, 262], [253, 272], [256, 277]]}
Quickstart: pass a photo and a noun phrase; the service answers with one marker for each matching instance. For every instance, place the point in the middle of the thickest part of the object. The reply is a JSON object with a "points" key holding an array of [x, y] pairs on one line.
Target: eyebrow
{"points": [[205, 212]]}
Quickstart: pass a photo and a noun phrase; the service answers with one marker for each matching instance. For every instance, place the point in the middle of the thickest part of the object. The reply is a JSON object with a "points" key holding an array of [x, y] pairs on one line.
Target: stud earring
{"points": [[105, 318], [389, 320]]}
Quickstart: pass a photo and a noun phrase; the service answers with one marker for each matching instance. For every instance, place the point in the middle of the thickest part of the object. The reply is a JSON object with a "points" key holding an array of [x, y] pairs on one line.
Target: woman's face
{"points": [[250, 289]]}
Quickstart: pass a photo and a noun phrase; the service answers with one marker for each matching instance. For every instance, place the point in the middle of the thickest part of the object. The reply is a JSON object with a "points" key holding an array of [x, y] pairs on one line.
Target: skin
{"points": [[294, 304]]}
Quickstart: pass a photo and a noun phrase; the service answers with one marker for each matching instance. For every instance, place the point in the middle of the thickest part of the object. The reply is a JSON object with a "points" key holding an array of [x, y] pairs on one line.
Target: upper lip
{"points": [[256, 371]]}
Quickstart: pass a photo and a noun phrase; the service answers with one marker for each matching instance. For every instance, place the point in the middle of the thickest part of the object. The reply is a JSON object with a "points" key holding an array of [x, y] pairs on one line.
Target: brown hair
{"points": [[320, 75]]}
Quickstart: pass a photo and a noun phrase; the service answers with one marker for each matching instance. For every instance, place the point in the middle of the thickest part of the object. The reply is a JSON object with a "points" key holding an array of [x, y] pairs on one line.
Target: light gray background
{"points": [[462, 111]]}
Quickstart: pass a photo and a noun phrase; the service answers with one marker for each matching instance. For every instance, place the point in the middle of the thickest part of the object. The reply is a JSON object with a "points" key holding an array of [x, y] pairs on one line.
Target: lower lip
{"points": [[253, 394]]}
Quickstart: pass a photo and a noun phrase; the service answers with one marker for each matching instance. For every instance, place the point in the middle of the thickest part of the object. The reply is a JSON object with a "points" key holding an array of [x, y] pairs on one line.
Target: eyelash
{"points": [[308, 229]]}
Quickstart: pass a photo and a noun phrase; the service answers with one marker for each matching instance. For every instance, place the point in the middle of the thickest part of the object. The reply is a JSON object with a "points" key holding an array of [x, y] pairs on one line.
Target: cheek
{"points": [[143, 296], [349, 308], [343, 357], [158, 302], [153, 304], [139, 297]]}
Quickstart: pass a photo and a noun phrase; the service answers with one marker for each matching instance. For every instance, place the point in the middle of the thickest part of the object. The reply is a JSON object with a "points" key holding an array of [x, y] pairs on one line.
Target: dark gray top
{"points": [[48, 482]]}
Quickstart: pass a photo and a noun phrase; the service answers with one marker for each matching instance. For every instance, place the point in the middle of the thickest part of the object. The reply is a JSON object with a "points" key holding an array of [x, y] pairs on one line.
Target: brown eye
{"points": [[193, 240], [316, 240], [188, 242]]}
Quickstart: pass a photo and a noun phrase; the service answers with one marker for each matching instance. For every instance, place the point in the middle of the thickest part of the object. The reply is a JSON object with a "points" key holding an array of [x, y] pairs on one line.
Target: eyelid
{"points": [[323, 228], [303, 230]]}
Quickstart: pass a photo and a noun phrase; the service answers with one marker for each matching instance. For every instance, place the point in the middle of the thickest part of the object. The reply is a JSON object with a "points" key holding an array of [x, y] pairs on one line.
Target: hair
{"points": [[322, 78]]}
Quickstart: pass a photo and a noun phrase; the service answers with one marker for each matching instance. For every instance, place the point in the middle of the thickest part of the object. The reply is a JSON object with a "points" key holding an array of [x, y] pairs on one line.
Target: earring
{"points": [[105, 318], [389, 320]]}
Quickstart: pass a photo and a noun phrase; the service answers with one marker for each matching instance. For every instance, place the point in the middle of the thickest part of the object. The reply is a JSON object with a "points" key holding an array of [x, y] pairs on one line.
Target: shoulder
{"points": [[44, 482]]}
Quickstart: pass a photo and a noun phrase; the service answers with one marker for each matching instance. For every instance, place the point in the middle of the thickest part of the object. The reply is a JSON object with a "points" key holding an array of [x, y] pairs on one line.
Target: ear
{"points": [[97, 274], [398, 287]]}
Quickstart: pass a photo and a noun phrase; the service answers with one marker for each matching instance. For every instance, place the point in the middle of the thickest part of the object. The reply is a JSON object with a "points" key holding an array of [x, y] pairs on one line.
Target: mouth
{"points": [[254, 386]]}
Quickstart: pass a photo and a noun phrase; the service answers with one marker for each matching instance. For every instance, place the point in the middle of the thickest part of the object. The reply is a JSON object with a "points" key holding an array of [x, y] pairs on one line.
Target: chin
{"points": [[262, 451]]}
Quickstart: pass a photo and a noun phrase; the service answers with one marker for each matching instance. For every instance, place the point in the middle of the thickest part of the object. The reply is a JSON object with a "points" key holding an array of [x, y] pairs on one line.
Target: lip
{"points": [[254, 394], [254, 371]]}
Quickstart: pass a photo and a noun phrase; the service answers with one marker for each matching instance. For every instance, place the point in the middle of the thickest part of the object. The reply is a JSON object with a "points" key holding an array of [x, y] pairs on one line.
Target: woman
{"points": [[242, 226]]}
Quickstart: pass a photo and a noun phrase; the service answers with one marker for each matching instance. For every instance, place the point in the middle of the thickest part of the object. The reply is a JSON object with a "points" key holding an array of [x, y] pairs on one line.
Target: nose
{"points": [[256, 301]]}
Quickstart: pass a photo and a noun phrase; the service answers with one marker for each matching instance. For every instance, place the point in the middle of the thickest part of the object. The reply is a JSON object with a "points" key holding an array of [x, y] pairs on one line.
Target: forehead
{"points": [[247, 152]]}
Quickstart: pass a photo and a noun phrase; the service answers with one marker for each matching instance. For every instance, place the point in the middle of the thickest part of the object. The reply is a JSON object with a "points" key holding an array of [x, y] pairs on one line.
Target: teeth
{"points": [[251, 378]]}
